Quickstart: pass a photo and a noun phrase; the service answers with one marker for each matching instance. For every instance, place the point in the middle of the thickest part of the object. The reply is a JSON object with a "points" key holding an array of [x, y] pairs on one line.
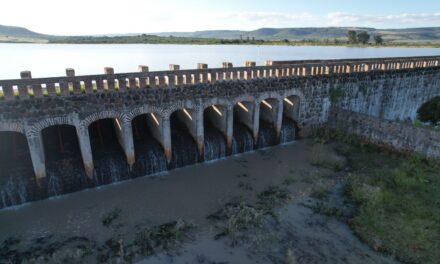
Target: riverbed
{"points": [[191, 194]]}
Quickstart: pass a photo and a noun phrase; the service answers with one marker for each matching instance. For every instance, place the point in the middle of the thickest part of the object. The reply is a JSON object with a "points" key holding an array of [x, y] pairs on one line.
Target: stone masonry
{"points": [[389, 88]]}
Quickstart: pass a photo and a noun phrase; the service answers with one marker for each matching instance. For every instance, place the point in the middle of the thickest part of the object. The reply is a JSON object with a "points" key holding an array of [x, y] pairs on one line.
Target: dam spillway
{"points": [[64, 134]]}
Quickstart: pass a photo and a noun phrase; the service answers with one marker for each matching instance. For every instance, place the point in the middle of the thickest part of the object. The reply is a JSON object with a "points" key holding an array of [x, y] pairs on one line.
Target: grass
{"points": [[111, 216], [162, 237], [272, 197], [235, 217], [289, 181], [397, 197], [419, 123]]}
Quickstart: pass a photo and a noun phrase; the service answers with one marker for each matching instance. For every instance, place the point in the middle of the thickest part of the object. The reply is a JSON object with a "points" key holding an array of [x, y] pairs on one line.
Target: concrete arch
{"points": [[85, 123], [188, 104], [145, 109], [216, 101], [269, 95], [246, 98], [302, 102], [36, 129], [295, 92], [12, 127]]}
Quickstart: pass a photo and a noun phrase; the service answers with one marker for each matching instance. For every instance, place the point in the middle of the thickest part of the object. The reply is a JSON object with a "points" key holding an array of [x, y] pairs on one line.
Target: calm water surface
{"points": [[46, 60]]}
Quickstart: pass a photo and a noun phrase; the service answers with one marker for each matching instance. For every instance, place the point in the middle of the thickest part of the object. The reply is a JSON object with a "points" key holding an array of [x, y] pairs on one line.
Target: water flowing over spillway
{"points": [[215, 143], [267, 135], [184, 148], [242, 140], [150, 157], [64, 166], [17, 179], [65, 169], [108, 156], [288, 131]]}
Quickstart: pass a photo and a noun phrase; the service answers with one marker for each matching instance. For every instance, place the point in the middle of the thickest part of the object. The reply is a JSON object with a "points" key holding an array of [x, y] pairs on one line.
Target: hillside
{"points": [[20, 34], [313, 34], [320, 34]]}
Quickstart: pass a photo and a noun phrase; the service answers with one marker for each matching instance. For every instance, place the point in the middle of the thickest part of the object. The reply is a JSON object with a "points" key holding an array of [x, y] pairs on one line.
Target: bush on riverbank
{"points": [[398, 205], [397, 197]]}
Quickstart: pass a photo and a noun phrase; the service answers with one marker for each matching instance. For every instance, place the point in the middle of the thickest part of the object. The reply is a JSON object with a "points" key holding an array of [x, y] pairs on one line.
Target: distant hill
{"points": [[20, 34], [319, 33], [393, 36]]}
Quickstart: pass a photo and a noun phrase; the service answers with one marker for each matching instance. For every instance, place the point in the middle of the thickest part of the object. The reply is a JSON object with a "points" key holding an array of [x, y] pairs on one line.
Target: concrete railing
{"points": [[28, 87]]}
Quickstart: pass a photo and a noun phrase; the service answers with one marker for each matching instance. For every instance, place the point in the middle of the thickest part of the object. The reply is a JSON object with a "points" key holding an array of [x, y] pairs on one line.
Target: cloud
{"points": [[278, 19], [405, 19]]}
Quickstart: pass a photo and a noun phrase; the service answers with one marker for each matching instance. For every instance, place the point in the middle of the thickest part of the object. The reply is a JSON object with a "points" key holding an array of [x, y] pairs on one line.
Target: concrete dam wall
{"points": [[69, 133]]}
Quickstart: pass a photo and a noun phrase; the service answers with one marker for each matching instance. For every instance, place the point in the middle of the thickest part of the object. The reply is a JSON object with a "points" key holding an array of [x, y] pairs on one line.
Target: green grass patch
{"points": [[398, 206], [162, 237], [111, 216]]}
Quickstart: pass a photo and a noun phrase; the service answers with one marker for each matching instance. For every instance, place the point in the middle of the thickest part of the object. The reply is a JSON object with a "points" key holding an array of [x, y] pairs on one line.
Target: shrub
{"points": [[430, 111]]}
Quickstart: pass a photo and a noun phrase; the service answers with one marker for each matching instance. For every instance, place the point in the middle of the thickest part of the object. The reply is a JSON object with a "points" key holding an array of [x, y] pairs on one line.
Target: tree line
{"points": [[362, 37]]}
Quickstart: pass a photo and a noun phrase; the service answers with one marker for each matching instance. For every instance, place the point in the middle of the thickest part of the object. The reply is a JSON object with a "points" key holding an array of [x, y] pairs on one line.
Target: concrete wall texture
{"points": [[398, 135], [387, 88]]}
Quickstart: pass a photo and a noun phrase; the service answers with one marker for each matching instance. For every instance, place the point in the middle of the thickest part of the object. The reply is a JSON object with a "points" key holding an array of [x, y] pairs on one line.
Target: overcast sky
{"points": [[81, 17]]}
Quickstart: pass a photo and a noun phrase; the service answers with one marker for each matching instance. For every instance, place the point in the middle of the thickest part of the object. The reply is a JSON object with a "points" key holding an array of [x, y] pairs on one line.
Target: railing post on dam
{"points": [[143, 80], [204, 76], [250, 73]]}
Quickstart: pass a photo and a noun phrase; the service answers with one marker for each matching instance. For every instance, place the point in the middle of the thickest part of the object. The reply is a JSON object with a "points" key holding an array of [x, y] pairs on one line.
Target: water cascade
{"points": [[266, 135], [65, 171], [242, 140], [215, 143], [150, 157], [64, 166], [108, 156], [184, 148], [288, 131], [17, 179]]}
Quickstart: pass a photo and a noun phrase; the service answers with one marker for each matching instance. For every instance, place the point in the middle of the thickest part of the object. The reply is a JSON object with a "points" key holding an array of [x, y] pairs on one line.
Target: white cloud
{"points": [[400, 20], [138, 16]]}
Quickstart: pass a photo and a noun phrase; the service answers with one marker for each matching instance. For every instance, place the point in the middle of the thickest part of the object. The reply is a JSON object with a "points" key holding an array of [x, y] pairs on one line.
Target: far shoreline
{"points": [[267, 43]]}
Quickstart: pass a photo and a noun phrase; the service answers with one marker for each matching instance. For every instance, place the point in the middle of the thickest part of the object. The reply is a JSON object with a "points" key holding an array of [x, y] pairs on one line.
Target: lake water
{"points": [[46, 60]]}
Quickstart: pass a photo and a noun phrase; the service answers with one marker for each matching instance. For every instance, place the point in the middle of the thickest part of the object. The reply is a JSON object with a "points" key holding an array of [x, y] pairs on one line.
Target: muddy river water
{"points": [[194, 192]]}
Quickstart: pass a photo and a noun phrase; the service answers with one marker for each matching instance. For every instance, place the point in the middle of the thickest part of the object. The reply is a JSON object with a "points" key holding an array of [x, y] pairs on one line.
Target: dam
{"points": [[65, 134]]}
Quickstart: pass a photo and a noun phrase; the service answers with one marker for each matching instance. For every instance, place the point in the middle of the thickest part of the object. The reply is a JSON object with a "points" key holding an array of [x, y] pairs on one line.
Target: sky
{"points": [[87, 17]]}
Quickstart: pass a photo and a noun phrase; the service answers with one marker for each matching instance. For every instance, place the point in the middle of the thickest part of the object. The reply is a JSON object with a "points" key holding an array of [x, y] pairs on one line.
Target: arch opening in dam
{"points": [[183, 124], [64, 166], [17, 177], [109, 158], [149, 152], [243, 135], [268, 122], [289, 126], [215, 132]]}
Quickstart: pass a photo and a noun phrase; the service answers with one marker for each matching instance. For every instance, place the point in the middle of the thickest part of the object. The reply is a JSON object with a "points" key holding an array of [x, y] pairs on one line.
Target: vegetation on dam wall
{"points": [[430, 111]]}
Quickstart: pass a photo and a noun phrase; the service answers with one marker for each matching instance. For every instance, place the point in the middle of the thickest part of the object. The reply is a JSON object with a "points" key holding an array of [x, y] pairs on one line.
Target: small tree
{"points": [[378, 40], [363, 37], [352, 36], [430, 111]]}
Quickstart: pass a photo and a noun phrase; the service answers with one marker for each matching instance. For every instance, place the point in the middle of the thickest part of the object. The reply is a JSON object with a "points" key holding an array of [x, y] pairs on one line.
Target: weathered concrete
{"points": [[398, 135], [86, 150], [390, 88], [124, 134]]}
